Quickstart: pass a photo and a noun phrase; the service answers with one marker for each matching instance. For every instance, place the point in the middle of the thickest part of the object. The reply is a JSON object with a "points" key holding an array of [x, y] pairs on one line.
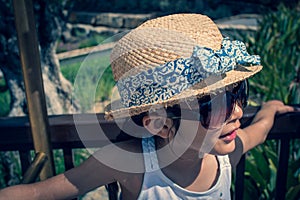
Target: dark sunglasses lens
{"points": [[230, 105], [238, 96], [242, 95], [213, 113], [205, 115]]}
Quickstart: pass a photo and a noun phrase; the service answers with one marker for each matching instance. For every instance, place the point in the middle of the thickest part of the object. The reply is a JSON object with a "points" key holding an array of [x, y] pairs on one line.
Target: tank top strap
{"points": [[224, 161], [149, 153]]}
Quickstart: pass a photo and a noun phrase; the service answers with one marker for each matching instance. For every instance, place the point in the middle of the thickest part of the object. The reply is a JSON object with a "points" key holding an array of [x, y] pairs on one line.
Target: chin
{"points": [[223, 148]]}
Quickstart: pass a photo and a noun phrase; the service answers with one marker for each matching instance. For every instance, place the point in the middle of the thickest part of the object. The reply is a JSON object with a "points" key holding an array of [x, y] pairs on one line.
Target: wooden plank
{"points": [[15, 131], [239, 179], [35, 95], [282, 168], [25, 159], [68, 158]]}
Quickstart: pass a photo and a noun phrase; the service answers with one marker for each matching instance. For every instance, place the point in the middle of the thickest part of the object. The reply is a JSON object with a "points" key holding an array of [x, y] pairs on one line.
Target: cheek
{"points": [[187, 134], [208, 139], [195, 135]]}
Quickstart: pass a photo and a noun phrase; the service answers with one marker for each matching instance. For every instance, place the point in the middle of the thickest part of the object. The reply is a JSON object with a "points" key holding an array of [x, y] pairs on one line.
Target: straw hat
{"points": [[173, 58]]}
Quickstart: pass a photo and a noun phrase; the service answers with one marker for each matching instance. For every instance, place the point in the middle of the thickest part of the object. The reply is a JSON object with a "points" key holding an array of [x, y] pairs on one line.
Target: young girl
{"points": [[182, 91]]}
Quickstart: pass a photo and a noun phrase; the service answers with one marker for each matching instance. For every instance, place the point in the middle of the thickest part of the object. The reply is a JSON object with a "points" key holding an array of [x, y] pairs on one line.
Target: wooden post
{"points": [[35, 168], [31, 67]]}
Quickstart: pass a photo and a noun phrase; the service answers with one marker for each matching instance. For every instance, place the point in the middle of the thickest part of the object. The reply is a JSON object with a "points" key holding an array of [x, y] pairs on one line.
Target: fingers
{"points": [[278, 106], [285, 109]]}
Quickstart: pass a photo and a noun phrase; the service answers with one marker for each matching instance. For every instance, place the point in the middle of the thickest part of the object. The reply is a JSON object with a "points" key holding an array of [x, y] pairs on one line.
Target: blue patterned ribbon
{"points": [[164, 81]]}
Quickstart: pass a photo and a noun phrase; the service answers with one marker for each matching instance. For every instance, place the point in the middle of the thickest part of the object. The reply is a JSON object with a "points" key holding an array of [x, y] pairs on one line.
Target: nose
{"points": [[237, 112]]}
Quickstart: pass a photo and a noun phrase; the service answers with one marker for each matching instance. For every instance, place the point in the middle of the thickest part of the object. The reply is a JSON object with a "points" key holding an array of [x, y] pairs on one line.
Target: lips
{"points": [[229, 136]]}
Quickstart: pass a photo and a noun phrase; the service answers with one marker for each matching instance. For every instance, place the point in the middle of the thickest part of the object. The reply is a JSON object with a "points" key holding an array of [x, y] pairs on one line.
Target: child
{"points": [[183, 88]]}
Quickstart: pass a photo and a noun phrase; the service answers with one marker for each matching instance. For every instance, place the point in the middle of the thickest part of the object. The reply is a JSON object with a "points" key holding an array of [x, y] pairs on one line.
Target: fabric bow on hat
{"points": [[163, 82]]}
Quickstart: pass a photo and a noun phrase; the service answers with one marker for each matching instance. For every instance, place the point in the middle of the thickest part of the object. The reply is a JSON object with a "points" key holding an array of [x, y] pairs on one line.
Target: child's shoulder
{"points": [[132, 145], [125, 156]]}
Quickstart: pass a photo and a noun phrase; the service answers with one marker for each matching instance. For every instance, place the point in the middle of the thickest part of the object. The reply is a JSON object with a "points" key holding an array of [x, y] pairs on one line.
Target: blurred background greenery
{"points": [[278, 43]]}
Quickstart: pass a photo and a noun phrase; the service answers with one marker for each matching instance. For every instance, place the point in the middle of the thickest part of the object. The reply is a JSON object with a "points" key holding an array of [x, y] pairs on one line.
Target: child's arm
{"points": [[57, 187], [72, 183], [256, 133]]}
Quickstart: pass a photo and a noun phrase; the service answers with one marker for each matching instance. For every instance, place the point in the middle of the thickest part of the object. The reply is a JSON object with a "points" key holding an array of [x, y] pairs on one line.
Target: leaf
{"points": [[293, 193], [271, 154], [251, 191], [263, 166], [252, 168], [273, 170]]}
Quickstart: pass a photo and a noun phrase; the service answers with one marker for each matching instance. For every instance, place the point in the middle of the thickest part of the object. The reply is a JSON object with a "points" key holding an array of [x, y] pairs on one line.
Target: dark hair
{"points": [[175, 113], [172, 112]]}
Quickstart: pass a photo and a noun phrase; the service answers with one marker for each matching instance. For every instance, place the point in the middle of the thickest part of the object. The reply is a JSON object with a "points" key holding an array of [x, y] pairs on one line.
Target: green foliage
{"points": [[4, 98], [294, 90], [10, 168], [278, 43], [94, 79], [81, 41], [80, 155], [69, 71], [59, 161], [105, 85], [261, 172], [93, 40]]}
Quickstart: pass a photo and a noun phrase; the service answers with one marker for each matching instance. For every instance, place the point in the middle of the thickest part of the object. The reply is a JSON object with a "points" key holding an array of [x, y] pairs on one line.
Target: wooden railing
{"points": [[15, 135]]}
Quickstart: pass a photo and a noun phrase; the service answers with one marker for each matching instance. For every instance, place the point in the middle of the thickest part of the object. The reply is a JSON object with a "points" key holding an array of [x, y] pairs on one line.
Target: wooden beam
{"points": [[31, 68], [15, 131]]}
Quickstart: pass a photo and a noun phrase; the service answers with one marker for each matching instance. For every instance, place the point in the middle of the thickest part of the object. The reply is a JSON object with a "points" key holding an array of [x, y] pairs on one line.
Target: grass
{"points": [[92, 79], [93, 40]]}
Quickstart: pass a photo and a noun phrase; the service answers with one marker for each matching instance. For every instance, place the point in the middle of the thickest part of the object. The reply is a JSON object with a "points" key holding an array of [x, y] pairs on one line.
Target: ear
{"points": [[158, 126]]}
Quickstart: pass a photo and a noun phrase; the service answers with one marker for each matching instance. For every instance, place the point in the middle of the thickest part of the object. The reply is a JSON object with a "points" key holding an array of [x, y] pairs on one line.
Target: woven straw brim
{"points": [[115, 109]]}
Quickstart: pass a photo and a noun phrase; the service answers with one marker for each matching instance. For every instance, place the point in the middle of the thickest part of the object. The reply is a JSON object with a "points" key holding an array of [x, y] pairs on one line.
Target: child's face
{"points": [[217, 141], [225, 143], [217, 120]]}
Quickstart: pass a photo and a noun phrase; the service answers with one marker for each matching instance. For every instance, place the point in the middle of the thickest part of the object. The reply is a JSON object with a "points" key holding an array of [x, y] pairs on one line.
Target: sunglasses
{"points": [[213, 112]]}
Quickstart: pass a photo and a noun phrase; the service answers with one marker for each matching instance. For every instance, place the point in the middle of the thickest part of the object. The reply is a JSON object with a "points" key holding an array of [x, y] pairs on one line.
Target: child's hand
{"points": [[278, 107], [257, 132]]}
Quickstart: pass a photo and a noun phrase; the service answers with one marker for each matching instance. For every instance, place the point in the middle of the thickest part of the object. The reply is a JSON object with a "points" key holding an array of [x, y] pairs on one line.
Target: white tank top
{"points": [[158, 186]]}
